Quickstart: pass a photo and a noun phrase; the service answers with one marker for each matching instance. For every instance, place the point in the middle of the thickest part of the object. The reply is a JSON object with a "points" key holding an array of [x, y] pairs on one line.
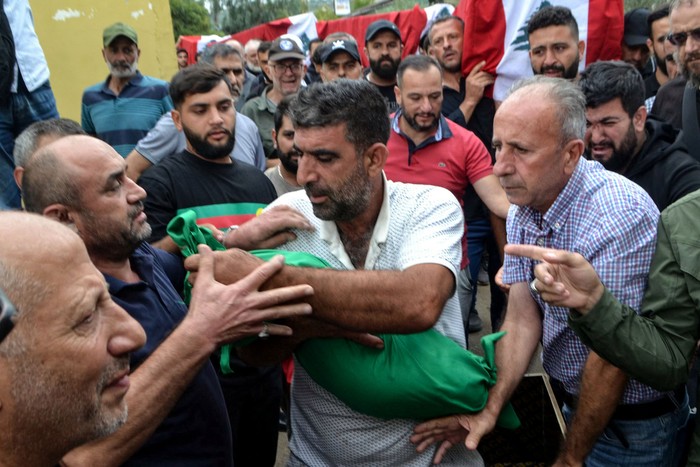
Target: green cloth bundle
{"points": [[416, 376]]}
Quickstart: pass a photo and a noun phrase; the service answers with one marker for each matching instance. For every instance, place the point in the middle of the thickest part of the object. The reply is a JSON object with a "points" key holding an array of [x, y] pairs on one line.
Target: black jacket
{"points": [[663, 167]]}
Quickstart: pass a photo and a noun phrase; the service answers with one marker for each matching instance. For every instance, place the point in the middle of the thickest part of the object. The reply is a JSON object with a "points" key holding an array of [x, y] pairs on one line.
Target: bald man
{"points": [[64, 315]]}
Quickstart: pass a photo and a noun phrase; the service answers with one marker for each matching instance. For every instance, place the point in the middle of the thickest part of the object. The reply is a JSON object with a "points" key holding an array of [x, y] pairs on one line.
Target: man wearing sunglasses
{"points": [[685, 34], [286, 67]]}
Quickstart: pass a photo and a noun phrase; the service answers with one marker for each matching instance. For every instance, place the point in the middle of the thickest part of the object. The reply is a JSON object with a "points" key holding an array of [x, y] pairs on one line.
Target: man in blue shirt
{"points": [[122, 109], [178, 415]]}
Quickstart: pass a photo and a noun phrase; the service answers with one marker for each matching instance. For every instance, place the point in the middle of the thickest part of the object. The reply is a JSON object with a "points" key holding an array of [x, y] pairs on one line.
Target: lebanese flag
{"points": [[496, 31]]}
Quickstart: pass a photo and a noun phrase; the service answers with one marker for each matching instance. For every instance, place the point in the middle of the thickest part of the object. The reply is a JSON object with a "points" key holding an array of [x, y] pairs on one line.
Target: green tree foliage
{"points": [[189, 18], [244, 14]]}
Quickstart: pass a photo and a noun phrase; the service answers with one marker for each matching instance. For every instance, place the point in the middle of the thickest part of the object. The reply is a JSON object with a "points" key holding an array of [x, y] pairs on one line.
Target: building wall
{"points": [[70, 32]]}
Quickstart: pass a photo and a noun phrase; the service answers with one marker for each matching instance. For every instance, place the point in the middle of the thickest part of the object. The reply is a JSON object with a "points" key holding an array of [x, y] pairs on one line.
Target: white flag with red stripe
{"points": [[496, 31]]}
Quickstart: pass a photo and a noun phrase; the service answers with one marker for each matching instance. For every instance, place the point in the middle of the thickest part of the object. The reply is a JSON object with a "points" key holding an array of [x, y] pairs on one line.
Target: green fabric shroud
{"points": [[416, 376]]}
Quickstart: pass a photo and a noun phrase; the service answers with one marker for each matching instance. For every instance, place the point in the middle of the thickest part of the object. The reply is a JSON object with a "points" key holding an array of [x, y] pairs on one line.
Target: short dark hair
{"points": [[417, 63], [282, 111], [264, 46], [444, 19], [601, 82], [662, 11], [552, 16], [182, 50], [196, 79], [220, 50], [337, 103]]}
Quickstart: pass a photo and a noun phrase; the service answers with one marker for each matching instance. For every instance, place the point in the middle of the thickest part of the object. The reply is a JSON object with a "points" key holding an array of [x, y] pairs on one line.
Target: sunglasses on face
{"points": [[7, 314], [679, 38]]}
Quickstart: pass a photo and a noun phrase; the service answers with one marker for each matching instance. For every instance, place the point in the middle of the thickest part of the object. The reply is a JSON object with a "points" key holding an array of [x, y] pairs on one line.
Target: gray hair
{"points": [[46, 181], [26, 293], [220, 50], [569, 101], [26, 143]]}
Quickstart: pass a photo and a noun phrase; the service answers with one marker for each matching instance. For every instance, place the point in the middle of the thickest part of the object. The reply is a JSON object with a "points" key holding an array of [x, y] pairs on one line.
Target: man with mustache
{"points": [[165, 140], [685, 34], [284, 175], [177, 411], [122, 109], [383, 48], [621, 136], [48, 404], [659, 25], [635, 50], [425, 147], [225, 193], [286, 68], [555, 48]]}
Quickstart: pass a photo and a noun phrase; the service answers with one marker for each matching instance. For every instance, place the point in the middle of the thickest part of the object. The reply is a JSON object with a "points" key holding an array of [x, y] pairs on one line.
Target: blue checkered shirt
{"points": [[612, 223]]}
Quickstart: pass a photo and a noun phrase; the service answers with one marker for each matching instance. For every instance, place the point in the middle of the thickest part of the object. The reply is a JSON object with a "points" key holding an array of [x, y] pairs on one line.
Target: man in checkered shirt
{"points": [[563, 201]]}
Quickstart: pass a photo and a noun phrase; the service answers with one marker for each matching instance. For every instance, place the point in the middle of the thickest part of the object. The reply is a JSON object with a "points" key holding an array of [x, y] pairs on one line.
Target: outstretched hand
{"points": [[562, 278], [449, 431], [225, 313]]}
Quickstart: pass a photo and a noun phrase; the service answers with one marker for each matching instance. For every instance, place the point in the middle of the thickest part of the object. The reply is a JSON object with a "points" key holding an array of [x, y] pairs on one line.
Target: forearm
{"points": [[523, 327], [156, 386], [653, 350], [366, 301], [498, 227], [602, 386], [467, 108]]}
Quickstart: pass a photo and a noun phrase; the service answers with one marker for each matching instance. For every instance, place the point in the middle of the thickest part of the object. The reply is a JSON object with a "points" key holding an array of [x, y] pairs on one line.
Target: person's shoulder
{"points": [[173, 164], [687, 206], [152, 81], [253, 105], [612, 193], [414, 194]]}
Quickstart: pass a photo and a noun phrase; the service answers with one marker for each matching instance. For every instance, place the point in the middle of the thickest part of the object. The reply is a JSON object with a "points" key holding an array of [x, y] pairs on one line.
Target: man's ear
{"points": [[176, 119], [375, 158], [58, 212]]}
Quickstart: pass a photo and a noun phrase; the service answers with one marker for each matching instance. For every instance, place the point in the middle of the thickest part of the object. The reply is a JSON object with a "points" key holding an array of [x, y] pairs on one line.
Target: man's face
{"points": [[263, 61], [341, 65], [420, 99], [251, 56], [530, 163], [659, 31], [181, 59], [446, 45], [110, 218], [611, 136], [554, 52], [332, 174], [71, 375], [233, 67], [121, 57], [635, 55], [384, 54], [208, 121], [686, 18], [284, 144], [286, 75]]}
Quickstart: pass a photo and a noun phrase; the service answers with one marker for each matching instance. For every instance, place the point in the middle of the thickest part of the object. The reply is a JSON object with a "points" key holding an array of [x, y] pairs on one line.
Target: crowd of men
{"points": [[579, 187]]}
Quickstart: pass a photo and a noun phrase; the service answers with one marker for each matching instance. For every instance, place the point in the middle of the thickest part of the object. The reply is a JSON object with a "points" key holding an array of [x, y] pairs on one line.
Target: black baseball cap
{"points": [[283, 48], [636, 27], [381, 25], [339, 45]]}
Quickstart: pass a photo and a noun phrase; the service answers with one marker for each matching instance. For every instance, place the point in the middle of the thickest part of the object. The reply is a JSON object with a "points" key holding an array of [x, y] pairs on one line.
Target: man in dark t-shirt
{"points": [[383, 48], [223, 193]]}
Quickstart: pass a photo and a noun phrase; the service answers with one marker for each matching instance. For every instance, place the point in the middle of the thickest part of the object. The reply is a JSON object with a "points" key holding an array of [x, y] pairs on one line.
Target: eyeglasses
{"points": [[679, 38], [281, 67], [7, 313]]}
